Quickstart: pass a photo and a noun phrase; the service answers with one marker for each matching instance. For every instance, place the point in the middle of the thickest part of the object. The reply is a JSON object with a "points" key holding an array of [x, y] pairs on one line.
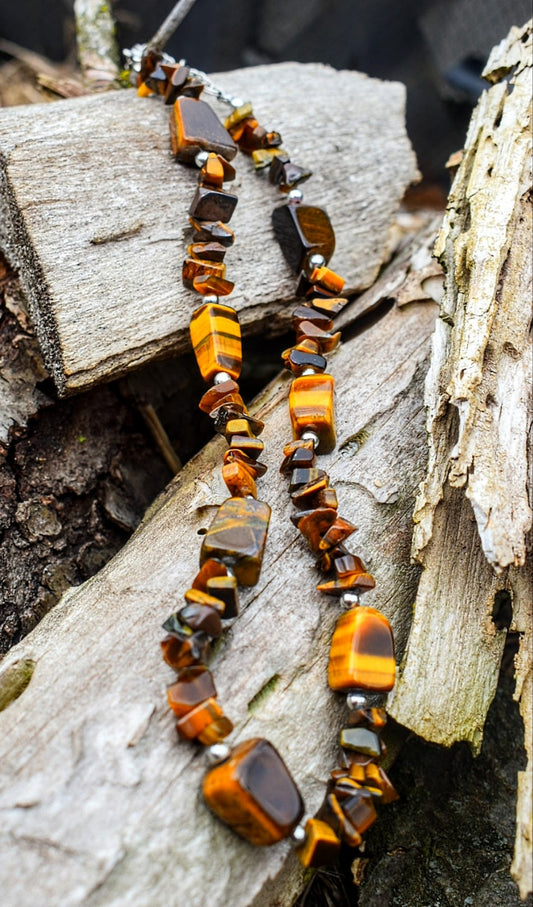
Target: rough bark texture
{"points": [[473, 515], [99, 247], [99, 804]]}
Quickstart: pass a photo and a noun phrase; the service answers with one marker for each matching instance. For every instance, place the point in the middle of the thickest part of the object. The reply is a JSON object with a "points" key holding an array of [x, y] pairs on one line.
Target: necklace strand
{"points": [[248, 786]]}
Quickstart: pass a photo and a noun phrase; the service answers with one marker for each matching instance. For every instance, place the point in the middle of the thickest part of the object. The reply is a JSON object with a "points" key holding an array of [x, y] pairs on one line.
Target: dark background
{"points": [[436, 47]]}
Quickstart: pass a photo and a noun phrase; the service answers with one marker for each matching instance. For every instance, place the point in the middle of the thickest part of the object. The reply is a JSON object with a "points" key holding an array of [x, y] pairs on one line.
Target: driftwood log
{"points": [[473, 515], [93, 210]]}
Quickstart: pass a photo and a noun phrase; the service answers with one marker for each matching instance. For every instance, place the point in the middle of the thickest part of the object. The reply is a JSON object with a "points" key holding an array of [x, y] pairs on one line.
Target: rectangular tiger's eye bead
{"points": [[216, 340], [311, 408], [194, 127], [254, 793], [237, 536], [362, 652]]}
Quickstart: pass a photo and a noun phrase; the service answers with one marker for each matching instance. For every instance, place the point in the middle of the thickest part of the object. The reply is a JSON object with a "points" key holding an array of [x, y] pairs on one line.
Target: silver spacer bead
{"points": [[236, 102], [211, 298], [349, 600], [309, 371], [217, 753], [220, 377], [201, 158], [310, 436], [298, 835], [315, 261], [295, 196], [356, 701]]}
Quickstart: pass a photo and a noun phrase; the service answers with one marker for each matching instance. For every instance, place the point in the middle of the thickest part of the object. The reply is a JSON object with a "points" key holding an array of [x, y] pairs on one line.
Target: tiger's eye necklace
{"points": [[248, 786]]}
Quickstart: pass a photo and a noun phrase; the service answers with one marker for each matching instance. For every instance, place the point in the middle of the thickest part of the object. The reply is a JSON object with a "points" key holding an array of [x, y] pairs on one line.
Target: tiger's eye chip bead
{"points": [[321, 846], [311, 408], [194, 686], [237, 537], [254, 793]]}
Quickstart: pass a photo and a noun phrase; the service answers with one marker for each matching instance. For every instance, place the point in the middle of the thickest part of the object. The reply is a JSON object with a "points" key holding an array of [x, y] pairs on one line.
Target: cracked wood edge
{"points": [[98, 804], [105, 285], [472, 515]]}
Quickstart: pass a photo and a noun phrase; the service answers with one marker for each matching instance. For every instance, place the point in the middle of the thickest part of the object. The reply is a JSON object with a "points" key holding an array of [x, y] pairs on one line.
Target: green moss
{"points": [[263, 693], [14, 681]]}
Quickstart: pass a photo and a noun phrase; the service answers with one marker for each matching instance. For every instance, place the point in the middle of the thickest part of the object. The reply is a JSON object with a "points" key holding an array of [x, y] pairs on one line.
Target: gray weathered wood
{"points": [[98, 803], [94, 210], [473, 514]]}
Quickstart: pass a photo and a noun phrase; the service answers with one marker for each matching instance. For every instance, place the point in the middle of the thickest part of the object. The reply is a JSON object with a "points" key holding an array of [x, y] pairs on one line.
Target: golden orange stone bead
{"points": [[328, 279], [194, 267], [212, 285], [311, 408], [194, 723], [237, 536], [216, 340], [254, 793], [194, 686], [321, 846], [238, 480], [197, 596], [362, 652]]}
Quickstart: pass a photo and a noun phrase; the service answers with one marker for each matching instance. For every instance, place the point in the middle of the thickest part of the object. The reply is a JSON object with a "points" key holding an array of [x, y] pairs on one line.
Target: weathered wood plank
{"points": [[98, 803], [473, 515], [94, 210]]}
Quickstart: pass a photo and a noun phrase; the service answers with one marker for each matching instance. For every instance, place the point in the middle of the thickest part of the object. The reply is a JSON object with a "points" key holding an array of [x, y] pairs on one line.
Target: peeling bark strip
{"points": [[78, 174], [99, 805], [473, 514]]}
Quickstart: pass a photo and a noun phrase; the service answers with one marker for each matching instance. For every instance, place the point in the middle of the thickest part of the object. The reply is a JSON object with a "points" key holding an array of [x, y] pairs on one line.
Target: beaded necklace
{"points": [[248, 786]]}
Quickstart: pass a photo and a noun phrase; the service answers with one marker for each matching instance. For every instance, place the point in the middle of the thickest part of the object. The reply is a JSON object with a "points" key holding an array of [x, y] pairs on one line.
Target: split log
{"points": [[473, 515], [99, 804], [93, 211]]}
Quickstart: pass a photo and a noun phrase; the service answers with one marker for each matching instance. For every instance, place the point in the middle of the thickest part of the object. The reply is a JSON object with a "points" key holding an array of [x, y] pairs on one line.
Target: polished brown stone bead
{"points": [[254, 467], [347, 564], [176, 78], [362, 652], [360, 810], [150, 60], [238, 480], [250, 446], [304, 476], [194, 686], [238, 427], [216, 340], [219, 394], [212, 173], [302, 457], [193, 88], [306, 313], [297, 360], [223, 414], [250, 135], [192, 268], [209, 569], [302, 230], [207, 251], [195, 724], [202, 617], [212, 230], [286, 175], [353, 582], [328, 498], [225, 589], [321, 846], [181, 653], [327, 342], [306, 493], [311, 408], [194, 127], [313, 526], [332, 813], [237, 536], [289, 448], [212, 205], [374, 719], [157, 81], [338, 532], [254, 793], [201, 596], [377, 778], [329, 306], [209, 285], [309, 290]]}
